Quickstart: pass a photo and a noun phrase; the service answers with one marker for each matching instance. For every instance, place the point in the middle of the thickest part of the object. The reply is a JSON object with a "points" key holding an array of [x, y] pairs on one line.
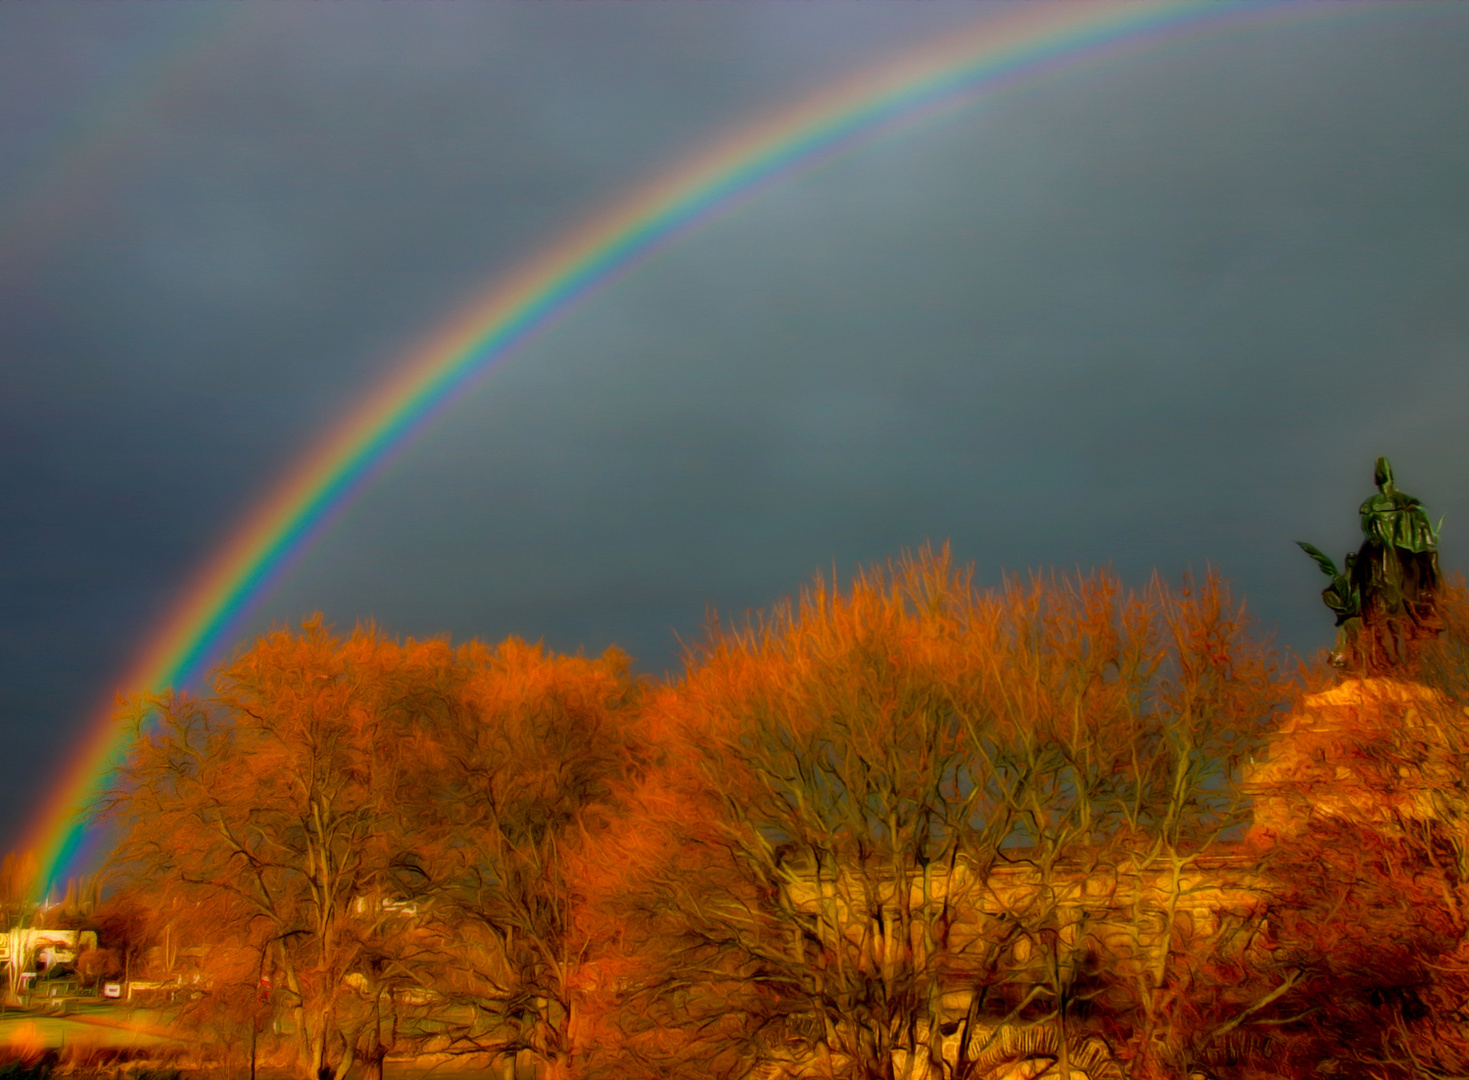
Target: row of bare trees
{"points": [[912, 829]]}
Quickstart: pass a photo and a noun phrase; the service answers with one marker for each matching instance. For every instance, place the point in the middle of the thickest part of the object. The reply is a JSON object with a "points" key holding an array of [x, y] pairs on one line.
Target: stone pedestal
{"points": [[1375, 751]]}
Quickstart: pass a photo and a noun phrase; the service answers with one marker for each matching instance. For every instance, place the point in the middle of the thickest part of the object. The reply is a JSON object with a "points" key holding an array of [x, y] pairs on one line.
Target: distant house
{"points": [[28, 952]]}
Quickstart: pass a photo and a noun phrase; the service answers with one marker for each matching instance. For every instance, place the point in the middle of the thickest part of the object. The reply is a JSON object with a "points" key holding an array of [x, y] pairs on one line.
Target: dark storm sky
{"points": [[1157, 311]]}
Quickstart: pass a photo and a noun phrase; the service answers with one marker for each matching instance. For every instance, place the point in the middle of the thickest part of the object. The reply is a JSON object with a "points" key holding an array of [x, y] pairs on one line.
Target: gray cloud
{"points": [[1134, 313]]}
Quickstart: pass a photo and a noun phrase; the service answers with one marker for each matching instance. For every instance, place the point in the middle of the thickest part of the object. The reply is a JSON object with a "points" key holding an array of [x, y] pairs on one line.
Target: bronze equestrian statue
{"points": [[1386, 598]]}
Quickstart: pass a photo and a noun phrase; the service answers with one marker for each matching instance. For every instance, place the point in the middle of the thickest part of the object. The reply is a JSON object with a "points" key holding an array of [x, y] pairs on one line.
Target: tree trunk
{"points": [[372, 1068]]}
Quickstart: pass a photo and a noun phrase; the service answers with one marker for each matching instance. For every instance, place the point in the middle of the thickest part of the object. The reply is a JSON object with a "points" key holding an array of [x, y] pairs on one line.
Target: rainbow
{"points": [[1027, 41]]}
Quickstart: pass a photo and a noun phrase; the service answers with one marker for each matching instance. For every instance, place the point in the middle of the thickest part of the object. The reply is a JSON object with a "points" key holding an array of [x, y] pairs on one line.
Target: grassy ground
{"points": [[89, 1024], [139, 1036], [102, 1039]]}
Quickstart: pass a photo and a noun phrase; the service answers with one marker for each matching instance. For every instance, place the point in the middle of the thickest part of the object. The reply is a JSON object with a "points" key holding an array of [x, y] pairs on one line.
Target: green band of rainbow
{"points": [[1029, 40]]}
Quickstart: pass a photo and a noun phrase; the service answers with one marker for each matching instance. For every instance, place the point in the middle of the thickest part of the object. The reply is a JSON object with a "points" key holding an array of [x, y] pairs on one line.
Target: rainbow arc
{"points": [[1029, 41]]}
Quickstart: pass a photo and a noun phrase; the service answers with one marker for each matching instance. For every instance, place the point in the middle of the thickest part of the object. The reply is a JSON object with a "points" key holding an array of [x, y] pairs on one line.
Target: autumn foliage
{"points": [[912, 828], [907, 796], [365, 842]]}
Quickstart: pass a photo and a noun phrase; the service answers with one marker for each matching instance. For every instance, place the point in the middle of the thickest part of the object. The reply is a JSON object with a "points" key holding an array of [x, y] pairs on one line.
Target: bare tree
{"points": [[19, 881], [892, 809], [269, 819], [511, 801]]}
